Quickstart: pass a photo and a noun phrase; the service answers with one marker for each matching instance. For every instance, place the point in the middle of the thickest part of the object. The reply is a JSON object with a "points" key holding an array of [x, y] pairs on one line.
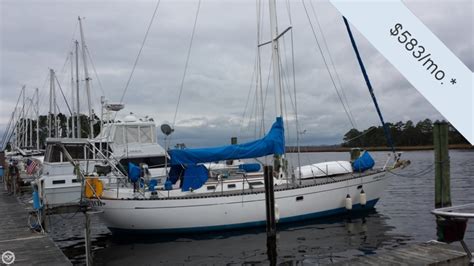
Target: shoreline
{"points": [[293, 149]]}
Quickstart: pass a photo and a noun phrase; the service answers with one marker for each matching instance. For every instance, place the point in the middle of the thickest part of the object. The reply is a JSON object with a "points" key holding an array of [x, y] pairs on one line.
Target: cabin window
{"points": [[231, 186], [118, 137], [299, 198], [211, 187], [146, 134], [56, 182], [75, 181], [53, 154], [152, 162], [132, 134], [76, 152], [255, 183]]}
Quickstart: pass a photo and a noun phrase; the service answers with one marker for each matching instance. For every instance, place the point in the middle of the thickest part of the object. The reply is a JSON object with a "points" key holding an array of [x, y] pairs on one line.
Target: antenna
{"points": [[166, 129]]}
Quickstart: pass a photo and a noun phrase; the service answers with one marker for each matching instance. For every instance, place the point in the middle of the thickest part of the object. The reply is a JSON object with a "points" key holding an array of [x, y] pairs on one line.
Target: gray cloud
{"points": [[37, 35]]}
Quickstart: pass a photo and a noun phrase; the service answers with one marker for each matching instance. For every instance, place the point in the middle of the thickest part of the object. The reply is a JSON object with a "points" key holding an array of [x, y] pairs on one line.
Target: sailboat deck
{"points": [[260, 188]]}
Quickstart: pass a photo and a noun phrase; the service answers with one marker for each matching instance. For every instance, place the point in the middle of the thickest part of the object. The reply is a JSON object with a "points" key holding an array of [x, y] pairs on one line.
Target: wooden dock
{"points": [[29, 248], [431, 253]]}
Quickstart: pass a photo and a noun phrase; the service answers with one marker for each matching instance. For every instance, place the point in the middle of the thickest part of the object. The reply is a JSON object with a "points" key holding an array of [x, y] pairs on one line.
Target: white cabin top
{"points": [[132, 137], [129, 131]]}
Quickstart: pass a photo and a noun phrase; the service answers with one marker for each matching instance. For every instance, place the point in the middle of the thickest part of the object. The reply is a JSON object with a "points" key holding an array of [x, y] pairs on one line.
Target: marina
{"points": [[320, 241], [385, 230]]}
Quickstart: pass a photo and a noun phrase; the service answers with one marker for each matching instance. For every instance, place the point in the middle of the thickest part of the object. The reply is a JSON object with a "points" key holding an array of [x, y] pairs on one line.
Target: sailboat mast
{"points": [[78, 112], [86, 74], [30, 127], [23, 116], [37, 119], [73, 133], [276, 58], [50, 102], [55, 104], [277, 159]]}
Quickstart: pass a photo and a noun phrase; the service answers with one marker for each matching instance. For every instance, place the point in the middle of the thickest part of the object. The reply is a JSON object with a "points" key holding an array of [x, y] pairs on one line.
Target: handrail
{"points": [[448, 211]]}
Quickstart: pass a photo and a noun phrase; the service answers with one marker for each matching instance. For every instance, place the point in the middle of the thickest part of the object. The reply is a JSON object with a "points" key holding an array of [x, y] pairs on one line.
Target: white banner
{"points": [[419, 55]]}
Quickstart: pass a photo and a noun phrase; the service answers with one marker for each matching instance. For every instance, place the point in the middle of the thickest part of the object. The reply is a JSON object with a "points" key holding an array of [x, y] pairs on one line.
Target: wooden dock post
{"points": [[269, 200], [442, 165], [87, 239], [270, 211]]}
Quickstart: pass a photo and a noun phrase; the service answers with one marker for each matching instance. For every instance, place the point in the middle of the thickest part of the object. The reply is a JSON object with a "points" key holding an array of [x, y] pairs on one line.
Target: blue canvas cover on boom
{"points": [[272, 143]]}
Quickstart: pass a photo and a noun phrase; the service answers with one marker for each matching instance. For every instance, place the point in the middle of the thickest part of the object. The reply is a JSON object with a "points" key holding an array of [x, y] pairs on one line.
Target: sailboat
{"points": [[196, 198], [119, 141]]}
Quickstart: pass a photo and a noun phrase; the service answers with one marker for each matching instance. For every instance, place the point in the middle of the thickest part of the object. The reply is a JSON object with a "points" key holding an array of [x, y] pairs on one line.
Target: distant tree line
{"points": [[403, 134]]}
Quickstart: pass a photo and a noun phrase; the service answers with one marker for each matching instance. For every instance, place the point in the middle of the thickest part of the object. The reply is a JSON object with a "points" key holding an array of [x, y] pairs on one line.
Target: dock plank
{"points": [[30, 248], [431, 253]]}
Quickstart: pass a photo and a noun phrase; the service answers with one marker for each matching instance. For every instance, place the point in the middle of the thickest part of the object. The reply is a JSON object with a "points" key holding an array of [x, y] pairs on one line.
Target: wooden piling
{"points": [[272, 250], [269, 200], [442, 165], [87, 239]]}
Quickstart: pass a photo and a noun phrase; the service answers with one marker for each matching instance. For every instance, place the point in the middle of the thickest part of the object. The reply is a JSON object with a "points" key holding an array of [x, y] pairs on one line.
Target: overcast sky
{"points": [[38, 35]]}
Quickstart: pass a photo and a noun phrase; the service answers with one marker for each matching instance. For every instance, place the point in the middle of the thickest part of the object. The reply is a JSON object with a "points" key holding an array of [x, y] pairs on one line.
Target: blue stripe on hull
{"points": [[357, 207]]}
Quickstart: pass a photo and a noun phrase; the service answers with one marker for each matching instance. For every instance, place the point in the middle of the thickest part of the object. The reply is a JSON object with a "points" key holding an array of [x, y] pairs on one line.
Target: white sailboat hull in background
{"points": [[238, 211]]}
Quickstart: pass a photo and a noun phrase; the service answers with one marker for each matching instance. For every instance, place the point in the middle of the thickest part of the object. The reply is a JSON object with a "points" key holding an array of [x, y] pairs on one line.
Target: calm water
{"points": [[402, 216]]}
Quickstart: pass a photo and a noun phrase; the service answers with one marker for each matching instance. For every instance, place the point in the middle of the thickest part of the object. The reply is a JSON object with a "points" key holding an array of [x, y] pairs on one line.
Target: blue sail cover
{"points": [[364, 162], [133, 172], [184, 162], [272, 143], [194, 177]]}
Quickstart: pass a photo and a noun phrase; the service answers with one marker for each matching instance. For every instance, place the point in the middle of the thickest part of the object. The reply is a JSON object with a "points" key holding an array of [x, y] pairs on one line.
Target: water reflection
{"points": [[317, 241]]}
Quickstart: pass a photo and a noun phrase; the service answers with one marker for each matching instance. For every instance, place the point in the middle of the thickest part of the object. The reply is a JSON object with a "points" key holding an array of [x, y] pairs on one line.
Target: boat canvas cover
{"points": [[364, 162], [272, 143], [184, 163], [194, 177]]}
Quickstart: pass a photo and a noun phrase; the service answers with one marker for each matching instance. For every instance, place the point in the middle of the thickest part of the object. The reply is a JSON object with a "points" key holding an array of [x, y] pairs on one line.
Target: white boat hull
{"points": [[237, 211], [61, 196]]}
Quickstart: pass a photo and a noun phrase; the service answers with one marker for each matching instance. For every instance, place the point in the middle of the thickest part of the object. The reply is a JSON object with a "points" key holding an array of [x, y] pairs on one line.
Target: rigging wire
{"points": [[15, 116], [420, 173], [242, 121], [139, 52], [270, 68], [70, 47], [186, 64], [333, 65], [62, 93], [326, 64], [297, 125], [259, 84], [360, 135], [95, 71]]}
